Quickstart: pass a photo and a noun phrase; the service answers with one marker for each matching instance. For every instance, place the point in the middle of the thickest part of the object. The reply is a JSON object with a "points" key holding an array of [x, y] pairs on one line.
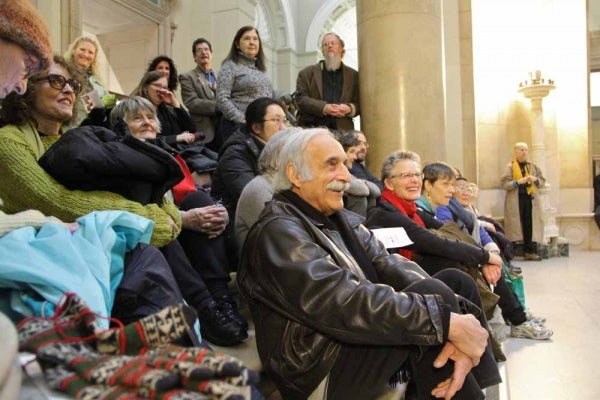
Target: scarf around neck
{"points": [[335, 222], [518, 174], [425, 205], [408, 208]]}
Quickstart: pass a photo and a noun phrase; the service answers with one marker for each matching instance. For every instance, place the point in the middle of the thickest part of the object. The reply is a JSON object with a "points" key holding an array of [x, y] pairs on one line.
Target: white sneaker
{"points": [[533, 318], [529, 330]]}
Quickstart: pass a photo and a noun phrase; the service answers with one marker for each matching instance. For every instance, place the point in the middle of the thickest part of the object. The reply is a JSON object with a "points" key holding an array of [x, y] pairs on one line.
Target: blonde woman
{"points": [[83, 53]]}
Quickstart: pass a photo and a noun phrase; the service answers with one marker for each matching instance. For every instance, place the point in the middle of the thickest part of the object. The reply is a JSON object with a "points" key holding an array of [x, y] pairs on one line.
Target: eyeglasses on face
{"points": [[159, 86], [59, 82], [470, 189], [278, 121], [408, 175]]}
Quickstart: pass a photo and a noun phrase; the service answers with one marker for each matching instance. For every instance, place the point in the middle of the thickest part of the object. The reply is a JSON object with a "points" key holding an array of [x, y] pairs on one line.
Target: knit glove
{"points": [[109, 101]]}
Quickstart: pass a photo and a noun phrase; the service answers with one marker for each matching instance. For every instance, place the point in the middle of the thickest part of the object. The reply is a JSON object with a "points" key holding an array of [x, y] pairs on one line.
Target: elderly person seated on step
{"points": [[362, 194], [484, 231], [177, 126]]}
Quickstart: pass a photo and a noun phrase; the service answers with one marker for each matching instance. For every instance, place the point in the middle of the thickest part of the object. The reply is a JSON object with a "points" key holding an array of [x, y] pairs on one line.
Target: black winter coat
{"points": [[95, 158], [173, 121], [238, 165]]}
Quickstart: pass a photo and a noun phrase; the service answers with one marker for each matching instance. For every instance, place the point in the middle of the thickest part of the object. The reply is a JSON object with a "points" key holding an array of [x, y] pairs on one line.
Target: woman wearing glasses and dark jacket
{"points": [[238, 157], [402, 179]]}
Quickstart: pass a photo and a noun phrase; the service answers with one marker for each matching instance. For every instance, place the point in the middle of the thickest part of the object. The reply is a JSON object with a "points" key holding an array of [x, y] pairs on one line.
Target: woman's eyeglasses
{"points": [[408, 175], [278, 121], [470, 189], [59, 82]]}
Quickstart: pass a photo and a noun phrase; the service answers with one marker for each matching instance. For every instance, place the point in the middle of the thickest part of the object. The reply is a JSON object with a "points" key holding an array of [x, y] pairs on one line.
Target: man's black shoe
{"points": [[219, 329], [228, 306]]}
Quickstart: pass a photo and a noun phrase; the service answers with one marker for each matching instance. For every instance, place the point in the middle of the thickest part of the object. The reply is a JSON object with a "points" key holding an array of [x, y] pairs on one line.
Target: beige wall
{"points": [[508, 43], [128, 53]]}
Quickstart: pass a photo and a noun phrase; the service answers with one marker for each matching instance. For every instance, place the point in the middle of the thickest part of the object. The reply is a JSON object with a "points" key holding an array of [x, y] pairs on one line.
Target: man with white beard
{"points": [[327, 93]]}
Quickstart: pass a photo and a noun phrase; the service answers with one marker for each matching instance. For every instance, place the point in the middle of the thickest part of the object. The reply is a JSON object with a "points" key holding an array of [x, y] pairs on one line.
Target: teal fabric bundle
{"points": [[46, 263], [516, 284]]}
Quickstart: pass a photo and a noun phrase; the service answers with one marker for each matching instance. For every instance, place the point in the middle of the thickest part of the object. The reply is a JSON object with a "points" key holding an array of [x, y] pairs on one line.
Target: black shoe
{"points": [[218, 328], [228, 307]]}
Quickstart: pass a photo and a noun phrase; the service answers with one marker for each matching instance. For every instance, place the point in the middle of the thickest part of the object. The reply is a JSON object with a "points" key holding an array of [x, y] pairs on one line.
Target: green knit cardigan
{"points": [[25, 185]]}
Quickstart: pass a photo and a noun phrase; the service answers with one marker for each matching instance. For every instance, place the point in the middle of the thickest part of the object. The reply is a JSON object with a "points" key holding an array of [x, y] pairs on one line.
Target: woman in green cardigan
{"points": [[32, 123]]}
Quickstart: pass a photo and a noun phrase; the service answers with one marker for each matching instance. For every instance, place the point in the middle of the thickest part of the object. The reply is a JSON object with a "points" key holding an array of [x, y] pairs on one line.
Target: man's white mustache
{"points": [[338, 186]]}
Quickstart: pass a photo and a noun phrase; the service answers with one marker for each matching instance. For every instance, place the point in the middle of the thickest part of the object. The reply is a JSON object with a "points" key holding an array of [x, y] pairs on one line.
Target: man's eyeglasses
{"points": [[31, 67], [59, 82], [278, 121], [408, 175]]}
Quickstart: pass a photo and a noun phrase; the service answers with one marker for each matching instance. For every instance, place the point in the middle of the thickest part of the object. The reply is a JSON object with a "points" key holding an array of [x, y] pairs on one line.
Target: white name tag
{"points": [[392, 237]]}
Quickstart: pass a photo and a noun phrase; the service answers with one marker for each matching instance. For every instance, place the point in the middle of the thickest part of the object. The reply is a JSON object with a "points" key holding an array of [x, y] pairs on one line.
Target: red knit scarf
{"points": [[408, 208]]}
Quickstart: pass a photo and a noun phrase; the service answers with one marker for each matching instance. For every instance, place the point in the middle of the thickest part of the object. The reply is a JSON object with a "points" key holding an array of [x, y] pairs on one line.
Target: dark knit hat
{"points": [[22, 24]]}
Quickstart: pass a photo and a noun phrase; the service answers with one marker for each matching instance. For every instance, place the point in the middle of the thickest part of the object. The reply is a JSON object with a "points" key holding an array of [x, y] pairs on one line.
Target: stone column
{"points": [[401, 82]]}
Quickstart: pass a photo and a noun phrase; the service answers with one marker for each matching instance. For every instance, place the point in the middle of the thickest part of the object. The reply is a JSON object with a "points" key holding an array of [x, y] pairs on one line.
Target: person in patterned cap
{"points": [[24, 45]]}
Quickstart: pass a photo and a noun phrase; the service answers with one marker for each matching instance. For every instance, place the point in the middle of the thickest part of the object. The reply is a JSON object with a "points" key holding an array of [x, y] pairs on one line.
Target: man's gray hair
{"points": [[294, 152], [333, 34], [267, 161], [130, 107], [392, 159], [519, 145]]}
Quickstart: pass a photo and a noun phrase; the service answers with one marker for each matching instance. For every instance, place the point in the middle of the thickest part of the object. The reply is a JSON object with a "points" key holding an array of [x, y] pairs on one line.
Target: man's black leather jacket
{"points": [[307, 296]]}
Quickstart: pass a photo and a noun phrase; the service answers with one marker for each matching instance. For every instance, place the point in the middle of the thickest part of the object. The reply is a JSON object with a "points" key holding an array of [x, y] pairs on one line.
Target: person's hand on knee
{"points": [[467, 334], [462, 366]]}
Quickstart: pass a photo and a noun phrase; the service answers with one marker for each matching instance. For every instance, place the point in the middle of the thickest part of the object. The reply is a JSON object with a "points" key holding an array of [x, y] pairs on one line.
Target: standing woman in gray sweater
{"points": [[242, 79]]}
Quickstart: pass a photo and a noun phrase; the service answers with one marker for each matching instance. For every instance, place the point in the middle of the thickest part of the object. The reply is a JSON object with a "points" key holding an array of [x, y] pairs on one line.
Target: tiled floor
{"points": [[567, 292]]}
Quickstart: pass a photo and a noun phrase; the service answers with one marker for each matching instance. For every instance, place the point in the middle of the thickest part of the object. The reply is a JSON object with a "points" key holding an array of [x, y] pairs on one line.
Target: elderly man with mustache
{"points": [[337, 316]]}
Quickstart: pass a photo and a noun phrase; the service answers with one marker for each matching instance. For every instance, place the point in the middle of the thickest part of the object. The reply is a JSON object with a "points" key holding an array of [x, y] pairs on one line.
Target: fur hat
{"points": [[22, 24]]}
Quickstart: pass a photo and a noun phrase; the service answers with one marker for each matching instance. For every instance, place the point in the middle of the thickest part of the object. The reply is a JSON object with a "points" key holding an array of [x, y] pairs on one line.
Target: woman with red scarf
{"points": [[403, 181]]}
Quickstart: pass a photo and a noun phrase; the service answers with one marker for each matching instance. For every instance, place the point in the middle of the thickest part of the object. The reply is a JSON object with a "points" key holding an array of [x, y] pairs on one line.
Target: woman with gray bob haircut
{"points": [[294, 152], [390, 161], [129, 107]]}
